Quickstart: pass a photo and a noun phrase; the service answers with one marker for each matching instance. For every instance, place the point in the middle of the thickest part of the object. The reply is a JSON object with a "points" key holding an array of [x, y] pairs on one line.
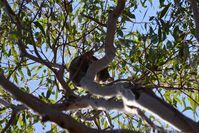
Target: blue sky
{"points": [[139, 13]]}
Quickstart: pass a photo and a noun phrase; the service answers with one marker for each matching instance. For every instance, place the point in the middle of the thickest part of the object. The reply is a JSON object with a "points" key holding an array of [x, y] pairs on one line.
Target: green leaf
{"points": [[49, 92], [14, 53], [14, 75], [28, 72], [120, 33], [186, 109], [154, 39], [163, 12], [37, 24], [56, 94]]}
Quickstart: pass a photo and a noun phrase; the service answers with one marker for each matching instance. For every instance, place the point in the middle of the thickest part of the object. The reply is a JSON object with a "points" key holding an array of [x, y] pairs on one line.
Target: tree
{"points": [[155, 68]]}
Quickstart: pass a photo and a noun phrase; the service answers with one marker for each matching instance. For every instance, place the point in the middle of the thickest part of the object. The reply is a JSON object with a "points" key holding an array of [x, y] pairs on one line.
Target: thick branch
{"points": [[87, 80], [25, 98], [147, 102], [5, 103], [166, 112], [47, 112], [86, 102], [144, 101], [109, 47]]}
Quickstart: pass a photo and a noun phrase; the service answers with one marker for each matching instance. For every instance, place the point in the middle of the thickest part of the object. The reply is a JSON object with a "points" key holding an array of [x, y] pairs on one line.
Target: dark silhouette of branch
{"points": [[149, 122], [53, 66], [93, 19], [47, 112], [109, 47], [125, 91], [11, 120], [132, 97], [194, 6], [15, 111], [21, 45], [176, 88]]}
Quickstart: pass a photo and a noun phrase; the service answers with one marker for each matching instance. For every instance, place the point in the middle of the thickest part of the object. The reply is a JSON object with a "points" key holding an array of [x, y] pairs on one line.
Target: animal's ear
{"points": [[80, 65], [104, 76], [88, 55]]}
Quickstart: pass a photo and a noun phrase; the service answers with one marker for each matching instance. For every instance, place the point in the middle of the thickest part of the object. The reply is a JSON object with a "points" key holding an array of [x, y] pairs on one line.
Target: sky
{"points": [[151, 11], [139, 13]]}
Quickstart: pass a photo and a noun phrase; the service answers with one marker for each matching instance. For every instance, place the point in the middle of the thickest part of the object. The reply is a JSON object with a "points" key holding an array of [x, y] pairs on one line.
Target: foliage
{"points": [[155, 49]]}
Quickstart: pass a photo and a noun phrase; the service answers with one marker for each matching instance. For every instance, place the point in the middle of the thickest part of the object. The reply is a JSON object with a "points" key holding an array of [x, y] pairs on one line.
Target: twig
{"points": [[94, 19], [11, 120], [149, 122], [194, 6], [48, 113]]}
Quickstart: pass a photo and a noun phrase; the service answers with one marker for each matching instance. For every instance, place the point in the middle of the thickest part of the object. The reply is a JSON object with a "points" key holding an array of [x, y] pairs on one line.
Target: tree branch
{"points": [[194, 6], [22, 47], [15, 110], [86, 102], [93, 19], [109, 47], [166, 112], [127, 92], [5, 103], [149, 122], [49, 113], [11, 120]]}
